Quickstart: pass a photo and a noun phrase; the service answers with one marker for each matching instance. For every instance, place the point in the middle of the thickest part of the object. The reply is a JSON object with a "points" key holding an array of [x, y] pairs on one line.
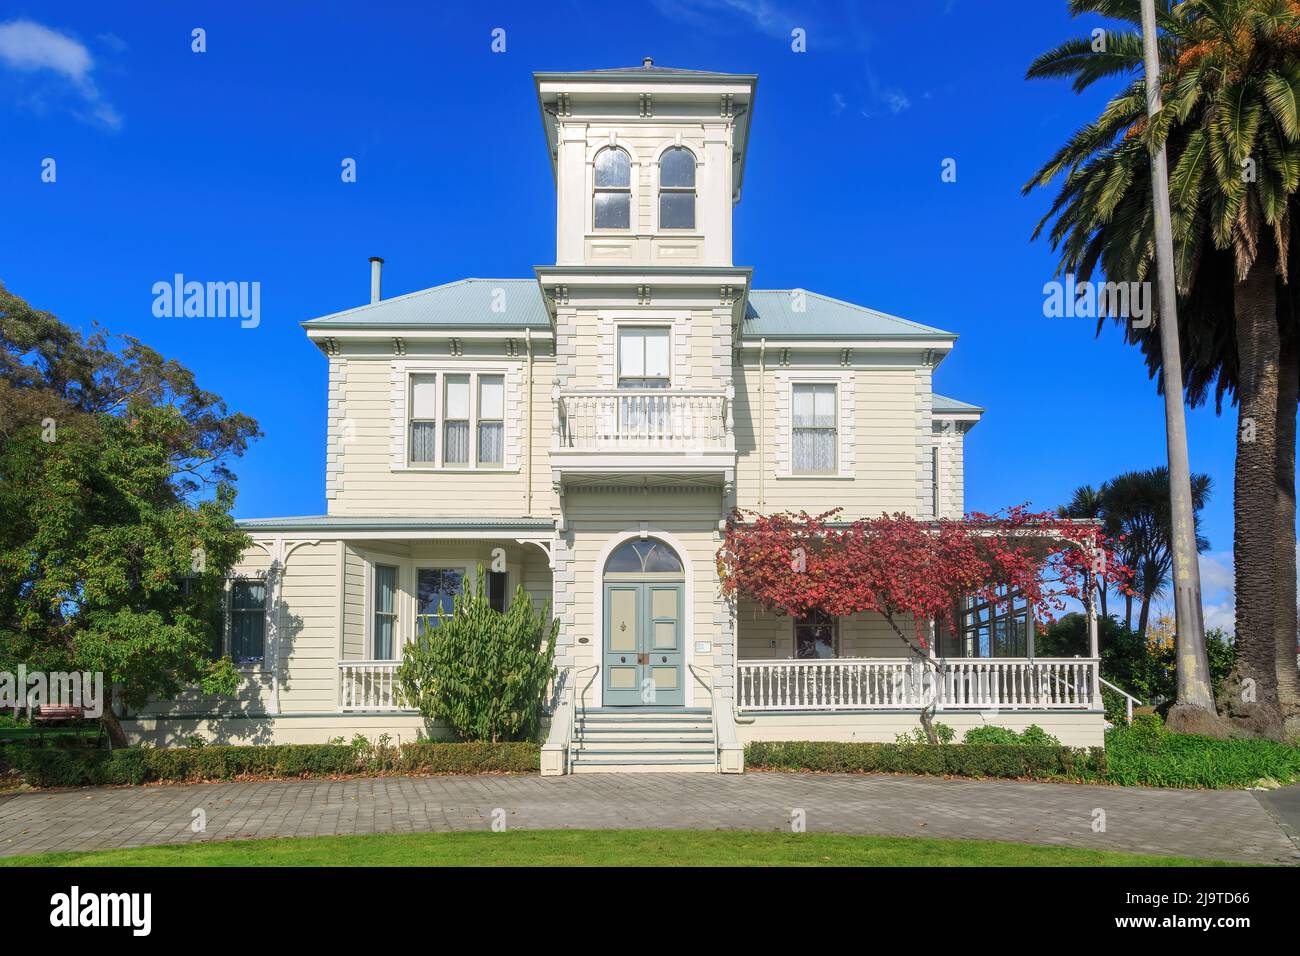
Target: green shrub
{"points": [[481, 672], [53, 767], [990, 734], [1020, 760], [943, 732], [1146, 753]]}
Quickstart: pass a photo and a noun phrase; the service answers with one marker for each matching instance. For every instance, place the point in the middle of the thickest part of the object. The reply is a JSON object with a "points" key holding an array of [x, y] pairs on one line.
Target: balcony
{"points": [[632, 431]]}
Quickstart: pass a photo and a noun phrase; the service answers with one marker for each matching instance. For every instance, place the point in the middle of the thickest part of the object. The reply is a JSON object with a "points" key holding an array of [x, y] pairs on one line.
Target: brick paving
{"points": [[1224, 824]]}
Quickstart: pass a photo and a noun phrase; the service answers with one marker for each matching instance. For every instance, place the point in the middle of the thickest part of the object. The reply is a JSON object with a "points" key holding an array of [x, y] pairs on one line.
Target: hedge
{"points": [[960, 760], [63, 767], [1147, 754]]}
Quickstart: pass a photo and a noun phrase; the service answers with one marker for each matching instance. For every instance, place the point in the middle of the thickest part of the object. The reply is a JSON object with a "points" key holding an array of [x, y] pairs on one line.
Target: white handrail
{"points": [[717, 756], [1129, 699]]}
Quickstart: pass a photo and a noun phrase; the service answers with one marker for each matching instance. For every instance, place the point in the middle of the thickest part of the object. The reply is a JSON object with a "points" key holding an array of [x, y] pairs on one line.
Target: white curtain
{"points": [[814, 433]]}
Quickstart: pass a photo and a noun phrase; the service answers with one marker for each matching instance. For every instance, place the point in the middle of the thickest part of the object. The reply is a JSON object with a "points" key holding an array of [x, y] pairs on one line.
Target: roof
{"points": [[942, 403], [773, 314], [469, 303], [466, 302], [643, 72], [357, 523]]}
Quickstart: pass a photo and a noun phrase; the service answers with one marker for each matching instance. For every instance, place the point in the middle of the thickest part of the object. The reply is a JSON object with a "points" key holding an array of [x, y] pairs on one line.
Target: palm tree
{"points": [[1089, 504], [1231, 125]]}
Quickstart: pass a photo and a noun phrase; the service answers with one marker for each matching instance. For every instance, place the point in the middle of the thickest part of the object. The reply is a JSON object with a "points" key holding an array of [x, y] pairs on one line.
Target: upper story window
{"points": [[457, 420], [643, 358], [814, 431], [677, 189], [613, 199], [247, 621]]}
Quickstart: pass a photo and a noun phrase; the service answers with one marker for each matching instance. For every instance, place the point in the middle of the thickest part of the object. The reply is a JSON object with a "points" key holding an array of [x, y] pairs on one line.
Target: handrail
{"points": [[717, 756], [573, 711], [1129, 699]]}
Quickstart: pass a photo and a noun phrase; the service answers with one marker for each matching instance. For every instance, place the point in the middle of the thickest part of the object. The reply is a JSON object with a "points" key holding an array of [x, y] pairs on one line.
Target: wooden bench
{"points": [[49, 713]]}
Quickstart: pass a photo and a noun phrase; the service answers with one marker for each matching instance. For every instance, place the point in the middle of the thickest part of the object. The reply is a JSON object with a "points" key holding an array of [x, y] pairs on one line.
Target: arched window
{"points": [[613, 200], [677, 189], [642, 556]]}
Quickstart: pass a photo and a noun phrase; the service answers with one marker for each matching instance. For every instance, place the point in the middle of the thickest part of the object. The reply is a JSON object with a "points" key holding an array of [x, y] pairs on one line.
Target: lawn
{"points": [[603, 848]]}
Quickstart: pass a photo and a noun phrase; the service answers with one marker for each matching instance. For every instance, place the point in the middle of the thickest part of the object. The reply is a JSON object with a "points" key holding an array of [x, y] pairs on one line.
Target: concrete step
{"points": [[642, 765], [639, 747]]}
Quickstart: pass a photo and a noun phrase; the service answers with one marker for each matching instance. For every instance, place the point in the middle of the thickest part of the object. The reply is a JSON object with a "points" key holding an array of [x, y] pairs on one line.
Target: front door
{"points": [[643, 659]]}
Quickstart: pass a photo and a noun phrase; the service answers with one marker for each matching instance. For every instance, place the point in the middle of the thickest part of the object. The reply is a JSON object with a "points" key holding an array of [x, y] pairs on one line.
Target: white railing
{"points": [[880, 684], [369, 685], [646, 419]]}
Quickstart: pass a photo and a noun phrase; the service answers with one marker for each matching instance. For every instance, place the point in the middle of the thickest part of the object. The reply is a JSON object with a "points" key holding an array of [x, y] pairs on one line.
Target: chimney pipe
{"points": [[376, 266]]}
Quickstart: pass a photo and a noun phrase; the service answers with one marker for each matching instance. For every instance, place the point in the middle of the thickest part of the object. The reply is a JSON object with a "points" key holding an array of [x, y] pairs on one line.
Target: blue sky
{"points": [[225, 165]]}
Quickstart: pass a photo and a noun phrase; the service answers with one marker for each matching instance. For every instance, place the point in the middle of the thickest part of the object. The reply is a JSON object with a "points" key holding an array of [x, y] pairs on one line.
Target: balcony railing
{"points": [[369, 685], [878, 684], [644, 420]]}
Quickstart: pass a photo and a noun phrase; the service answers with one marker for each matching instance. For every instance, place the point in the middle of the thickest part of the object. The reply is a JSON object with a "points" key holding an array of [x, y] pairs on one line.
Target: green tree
{"points": [[115, 498], [483, 673], [1231, 124]]}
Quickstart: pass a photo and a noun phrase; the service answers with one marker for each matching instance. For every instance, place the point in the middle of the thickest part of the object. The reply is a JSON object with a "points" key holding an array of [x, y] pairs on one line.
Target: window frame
{"points": [[641, 326], [836, 430], [372, 609], [797, 622], [440, 375], [227, 629], [597, 190], [692, 190], [421, 564]]}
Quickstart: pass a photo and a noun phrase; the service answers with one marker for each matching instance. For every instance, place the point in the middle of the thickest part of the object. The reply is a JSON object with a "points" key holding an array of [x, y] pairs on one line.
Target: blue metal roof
{"points": [[942, 403], [470, 303], [473, 303], [359, 523], [772, 314]]}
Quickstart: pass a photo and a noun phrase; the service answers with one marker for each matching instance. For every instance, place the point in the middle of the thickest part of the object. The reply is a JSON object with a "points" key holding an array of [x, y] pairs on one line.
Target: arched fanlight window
{"points": [[643, 556], [613, 200], [677, 189]]}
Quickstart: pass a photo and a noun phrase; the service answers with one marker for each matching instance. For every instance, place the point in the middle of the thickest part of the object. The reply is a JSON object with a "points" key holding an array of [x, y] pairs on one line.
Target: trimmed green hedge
{"points": [[959, 760], [59, 767]]}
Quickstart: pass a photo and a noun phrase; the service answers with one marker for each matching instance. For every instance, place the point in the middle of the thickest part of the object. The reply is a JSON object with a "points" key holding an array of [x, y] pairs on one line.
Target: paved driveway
{"points": [[1230, 825]]}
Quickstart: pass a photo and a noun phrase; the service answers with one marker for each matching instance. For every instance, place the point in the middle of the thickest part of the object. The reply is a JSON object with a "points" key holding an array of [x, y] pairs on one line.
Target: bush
{"points": [[1146, 753], [1021, 760], [55, 767], [481, 672], [1031, 735]]}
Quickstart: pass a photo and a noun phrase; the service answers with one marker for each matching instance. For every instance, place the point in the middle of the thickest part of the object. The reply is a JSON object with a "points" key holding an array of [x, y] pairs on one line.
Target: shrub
{"points": [[481, 672], [1041, 761], [1146, 753], [943, 732], [51, 767], [990, 734]]}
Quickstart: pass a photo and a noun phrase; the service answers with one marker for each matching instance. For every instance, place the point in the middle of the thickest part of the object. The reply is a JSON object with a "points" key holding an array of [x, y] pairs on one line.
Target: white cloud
{"points": [[897, 101], [28, 47]]}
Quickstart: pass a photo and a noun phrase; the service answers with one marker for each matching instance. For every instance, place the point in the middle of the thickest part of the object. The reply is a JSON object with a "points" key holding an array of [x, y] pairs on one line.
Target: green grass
{"points": [[603, 848], [1147, 755]]}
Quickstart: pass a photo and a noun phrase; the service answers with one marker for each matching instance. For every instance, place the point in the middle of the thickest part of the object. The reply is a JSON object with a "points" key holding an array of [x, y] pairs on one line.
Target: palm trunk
{"points": [[1144, 616], [1128, 612], [1284, 626], [1251, 697]]}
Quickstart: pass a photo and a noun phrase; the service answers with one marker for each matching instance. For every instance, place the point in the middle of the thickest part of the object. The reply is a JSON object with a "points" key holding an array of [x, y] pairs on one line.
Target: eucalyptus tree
{"points": [[1231, 125]]}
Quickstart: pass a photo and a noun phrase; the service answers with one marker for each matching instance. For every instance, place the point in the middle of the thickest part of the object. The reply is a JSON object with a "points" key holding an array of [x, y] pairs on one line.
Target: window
{"points": [[385, 612], [814, 636], [677, 189], [644, 556], [457, 419], [455, 442], [424, 418], [934, 480], [814, 435], [247, 621], [435, 592], [996, 629], [643, 358], [491, 419], [496, 588], [613, 201]]}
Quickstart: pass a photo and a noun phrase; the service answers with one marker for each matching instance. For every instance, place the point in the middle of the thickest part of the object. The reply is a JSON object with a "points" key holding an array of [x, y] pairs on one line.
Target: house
{"points": [[584, 432]]}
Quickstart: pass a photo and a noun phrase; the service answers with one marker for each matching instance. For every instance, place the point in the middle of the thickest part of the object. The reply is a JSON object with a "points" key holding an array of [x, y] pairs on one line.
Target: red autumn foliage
{"points": [[899, 567]]}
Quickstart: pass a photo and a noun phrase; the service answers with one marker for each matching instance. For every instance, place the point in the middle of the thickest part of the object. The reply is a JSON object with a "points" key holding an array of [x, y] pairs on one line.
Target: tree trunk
{"points": [[113, 727], [1101, 593], [1128, 612], [1284, 625], [1144, 616], [1250, 696]]}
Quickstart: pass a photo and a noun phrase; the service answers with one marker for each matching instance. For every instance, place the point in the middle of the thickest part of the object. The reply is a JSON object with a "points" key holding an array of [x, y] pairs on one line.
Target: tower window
{"points": [[677, 189], [613, 201]]}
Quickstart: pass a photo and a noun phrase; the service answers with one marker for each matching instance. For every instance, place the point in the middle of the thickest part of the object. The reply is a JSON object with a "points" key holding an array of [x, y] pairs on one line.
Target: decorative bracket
{"points": [[545, 545]]}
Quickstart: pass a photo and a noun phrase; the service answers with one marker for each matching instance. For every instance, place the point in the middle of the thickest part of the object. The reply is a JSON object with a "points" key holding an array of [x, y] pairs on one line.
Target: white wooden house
{"points": [[594, 424]]}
